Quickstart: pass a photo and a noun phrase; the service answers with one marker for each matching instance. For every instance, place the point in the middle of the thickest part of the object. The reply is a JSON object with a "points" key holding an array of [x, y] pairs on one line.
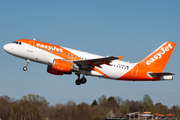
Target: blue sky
{"points": [[104, 27]]}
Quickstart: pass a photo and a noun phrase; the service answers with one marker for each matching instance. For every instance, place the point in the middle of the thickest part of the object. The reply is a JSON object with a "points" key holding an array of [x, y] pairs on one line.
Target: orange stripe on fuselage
{"points": [[138, 73], [56, 50], [53, 49], [97, 70], [155, 62]]}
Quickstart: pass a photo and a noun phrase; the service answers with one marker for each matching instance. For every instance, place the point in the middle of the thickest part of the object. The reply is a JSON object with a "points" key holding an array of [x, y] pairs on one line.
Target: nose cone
{"points": [[5, 47]]}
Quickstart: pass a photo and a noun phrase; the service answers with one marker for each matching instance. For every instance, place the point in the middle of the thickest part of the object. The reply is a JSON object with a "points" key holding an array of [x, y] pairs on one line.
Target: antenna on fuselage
{"points": [[34, 39]]}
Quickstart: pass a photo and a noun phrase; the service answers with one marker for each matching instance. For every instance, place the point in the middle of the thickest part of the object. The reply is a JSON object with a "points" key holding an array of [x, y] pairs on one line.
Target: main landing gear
{"points": [[79, 81], [27, 62]]}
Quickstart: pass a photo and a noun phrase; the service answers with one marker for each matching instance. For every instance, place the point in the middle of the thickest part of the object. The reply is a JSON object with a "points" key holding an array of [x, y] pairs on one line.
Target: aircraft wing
{"points": [[91, 63]]}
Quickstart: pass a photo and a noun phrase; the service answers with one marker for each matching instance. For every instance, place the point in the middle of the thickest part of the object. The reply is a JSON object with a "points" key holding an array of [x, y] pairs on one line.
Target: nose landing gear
{"points": [[79, 81], [27, 62]]}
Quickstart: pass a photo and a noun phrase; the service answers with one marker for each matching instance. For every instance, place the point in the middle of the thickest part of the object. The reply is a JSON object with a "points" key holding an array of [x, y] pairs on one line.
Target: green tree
{"points": [[94, 103], [124, 108], [25, 110], [147, 99], [58, 105], [102, 99], [36, 99], [148, 104]]}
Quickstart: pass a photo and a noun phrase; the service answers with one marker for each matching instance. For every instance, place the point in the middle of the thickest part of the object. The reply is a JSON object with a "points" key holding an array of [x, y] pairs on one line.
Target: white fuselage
{"points": [[25, 51]]}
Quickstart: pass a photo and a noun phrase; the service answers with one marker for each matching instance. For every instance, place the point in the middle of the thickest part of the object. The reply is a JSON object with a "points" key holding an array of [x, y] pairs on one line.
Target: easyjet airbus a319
{"points": [[61, 60]]}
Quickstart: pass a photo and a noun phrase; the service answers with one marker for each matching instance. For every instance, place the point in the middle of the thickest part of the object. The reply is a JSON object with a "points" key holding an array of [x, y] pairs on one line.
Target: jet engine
{"points": [[52, 71], [60, 67]]}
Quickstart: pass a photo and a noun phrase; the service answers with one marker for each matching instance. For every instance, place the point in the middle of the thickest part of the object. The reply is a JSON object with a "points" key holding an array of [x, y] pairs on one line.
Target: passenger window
{"points": [[20, 43]]}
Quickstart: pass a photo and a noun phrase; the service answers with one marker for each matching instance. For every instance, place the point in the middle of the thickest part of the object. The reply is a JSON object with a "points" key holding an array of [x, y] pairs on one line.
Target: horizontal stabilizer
{"points": [[161, 74], [164, 75]]}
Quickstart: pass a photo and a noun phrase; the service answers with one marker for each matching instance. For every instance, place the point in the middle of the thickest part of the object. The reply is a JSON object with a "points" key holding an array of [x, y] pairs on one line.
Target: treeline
{"points": [[35, 107]]}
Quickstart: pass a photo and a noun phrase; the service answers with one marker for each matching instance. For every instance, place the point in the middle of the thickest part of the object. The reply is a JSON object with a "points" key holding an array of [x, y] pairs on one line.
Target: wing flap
{"points": [[95, 62]]}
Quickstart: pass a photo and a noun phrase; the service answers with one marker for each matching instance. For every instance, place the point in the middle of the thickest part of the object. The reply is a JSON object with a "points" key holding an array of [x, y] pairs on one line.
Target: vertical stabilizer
{"points": [[158, 59]]}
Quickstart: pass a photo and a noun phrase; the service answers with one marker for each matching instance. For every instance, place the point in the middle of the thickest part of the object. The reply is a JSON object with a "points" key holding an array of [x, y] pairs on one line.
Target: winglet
{"points": [[120, 57]]}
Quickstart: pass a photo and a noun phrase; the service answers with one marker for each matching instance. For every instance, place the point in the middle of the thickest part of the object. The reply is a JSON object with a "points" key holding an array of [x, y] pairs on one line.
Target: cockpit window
{"points": [[16, 42]]}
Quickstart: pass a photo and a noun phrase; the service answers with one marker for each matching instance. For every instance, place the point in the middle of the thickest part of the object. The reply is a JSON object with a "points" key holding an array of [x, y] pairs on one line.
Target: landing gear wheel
{"points": [[27, 62], [78, 82], [83, 80], [25, 68]]}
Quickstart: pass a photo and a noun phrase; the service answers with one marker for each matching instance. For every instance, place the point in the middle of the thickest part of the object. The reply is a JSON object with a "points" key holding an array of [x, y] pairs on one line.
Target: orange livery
{"points": [[61, 60]]}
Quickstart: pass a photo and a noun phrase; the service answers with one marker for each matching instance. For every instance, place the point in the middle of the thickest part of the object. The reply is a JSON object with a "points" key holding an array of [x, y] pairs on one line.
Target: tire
{"points": [[24, 68], [78, 82], [83, 80]]}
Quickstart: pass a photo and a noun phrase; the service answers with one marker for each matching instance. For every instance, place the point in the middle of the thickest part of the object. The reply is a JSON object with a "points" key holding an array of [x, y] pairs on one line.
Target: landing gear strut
{"points": [[27, 62], [79, 81]]}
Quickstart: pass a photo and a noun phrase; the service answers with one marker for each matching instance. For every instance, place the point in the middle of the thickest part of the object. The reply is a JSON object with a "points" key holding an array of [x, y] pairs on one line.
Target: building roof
{"points": [[133, 113]]}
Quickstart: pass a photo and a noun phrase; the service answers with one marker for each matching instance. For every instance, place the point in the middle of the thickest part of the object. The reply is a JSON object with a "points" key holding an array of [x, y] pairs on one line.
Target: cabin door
{"points": [[134, 71], [30, 46]]}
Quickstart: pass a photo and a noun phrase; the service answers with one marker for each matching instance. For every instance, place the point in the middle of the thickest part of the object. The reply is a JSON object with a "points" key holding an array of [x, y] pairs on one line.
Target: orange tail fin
{"points": [[158, 59]]}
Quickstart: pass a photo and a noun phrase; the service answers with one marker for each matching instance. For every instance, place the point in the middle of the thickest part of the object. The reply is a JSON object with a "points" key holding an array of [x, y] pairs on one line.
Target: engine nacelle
{"points": [[54, 72], [60, 67]]}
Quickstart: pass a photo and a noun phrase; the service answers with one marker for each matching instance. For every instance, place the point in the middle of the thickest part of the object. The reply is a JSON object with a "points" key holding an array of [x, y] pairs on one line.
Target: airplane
{"points": [[61, 60]]}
